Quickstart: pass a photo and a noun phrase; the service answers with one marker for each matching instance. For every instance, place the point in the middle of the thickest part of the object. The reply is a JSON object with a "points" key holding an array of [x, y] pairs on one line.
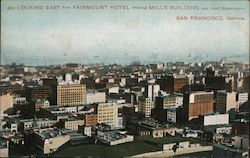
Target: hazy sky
{"points": [[41, 37]]}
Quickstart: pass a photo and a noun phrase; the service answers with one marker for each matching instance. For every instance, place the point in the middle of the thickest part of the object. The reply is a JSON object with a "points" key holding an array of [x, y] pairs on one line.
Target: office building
{"points": [[108, 113], [145, 106], [151, 91], [168, 107], [198, 103], [71, 95]]}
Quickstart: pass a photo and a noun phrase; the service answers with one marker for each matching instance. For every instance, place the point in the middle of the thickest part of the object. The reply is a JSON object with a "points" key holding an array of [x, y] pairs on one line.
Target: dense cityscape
{"points": [[171, 109]]}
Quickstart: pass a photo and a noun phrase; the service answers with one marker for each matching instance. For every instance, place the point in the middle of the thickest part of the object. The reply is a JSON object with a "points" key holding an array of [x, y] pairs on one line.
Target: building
{"points": [[87, 131], [198, 103], [40, 103], [91, 119], [169, 101], [51, 84], [71, 123], [219, 83], [107, 113], [168, 107], [38, 92], [241, 97], [240, 127], [241, 142], [96, 97], [28, 124], [49, 140], [6, 102], [175, 83], [152, 128], [224, 150], [214, 119], [114, 137], [4, 148], [71, 95], [151, 91], [145, 106], [225, 101]]}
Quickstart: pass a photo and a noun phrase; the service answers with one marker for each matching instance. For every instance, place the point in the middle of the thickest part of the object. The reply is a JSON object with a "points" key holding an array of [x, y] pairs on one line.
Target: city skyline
{"points": [[45, 37]]}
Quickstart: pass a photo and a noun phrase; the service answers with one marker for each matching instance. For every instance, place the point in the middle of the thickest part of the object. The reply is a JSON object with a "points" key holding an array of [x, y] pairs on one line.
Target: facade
{"points": [[114, 137], [71, 95], [151, 127], [241, 98], [214, 119], [107, 113], [240, 127], [4, 148], [49, 140], [169, 101], [40, 104], [38, 92], [225, 101], [87, 131], [145, 106], [95, 97], [198, 103], [180, 81], [71, 123], [51, 84], [226, 151], [91, 119], [28, 124], [151, 91], [6, 102], [168, 107]]}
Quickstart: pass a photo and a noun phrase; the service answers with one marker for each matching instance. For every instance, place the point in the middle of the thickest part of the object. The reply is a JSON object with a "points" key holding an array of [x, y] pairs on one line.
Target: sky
{"points": [[44, 37]]}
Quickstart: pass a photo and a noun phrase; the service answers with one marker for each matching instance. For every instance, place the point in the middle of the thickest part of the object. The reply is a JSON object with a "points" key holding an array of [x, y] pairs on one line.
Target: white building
{"points": [[152, 91], [95, 97], [87, 131], [242, 98], [215, 119]]}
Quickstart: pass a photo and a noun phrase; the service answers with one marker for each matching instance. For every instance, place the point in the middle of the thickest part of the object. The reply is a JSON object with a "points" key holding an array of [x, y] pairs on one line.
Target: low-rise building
{"points": [[214, 119], [91, 119], [95, 97], [114, 137], [71, 123], [49, 140], [151, 127], [4, 148]]}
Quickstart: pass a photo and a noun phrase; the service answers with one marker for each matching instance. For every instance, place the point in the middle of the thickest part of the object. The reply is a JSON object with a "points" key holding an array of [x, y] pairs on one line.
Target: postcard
{"points": [[124, 78]]}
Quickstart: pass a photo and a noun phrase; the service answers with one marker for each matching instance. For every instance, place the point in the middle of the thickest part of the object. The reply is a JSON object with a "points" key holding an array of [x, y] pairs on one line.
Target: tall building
{"points": [[168, 107], [241, 99], [151, 91], [71, 94], [51, 83], [198, 103], [107, 113], [225, 101], [145, 106]]}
